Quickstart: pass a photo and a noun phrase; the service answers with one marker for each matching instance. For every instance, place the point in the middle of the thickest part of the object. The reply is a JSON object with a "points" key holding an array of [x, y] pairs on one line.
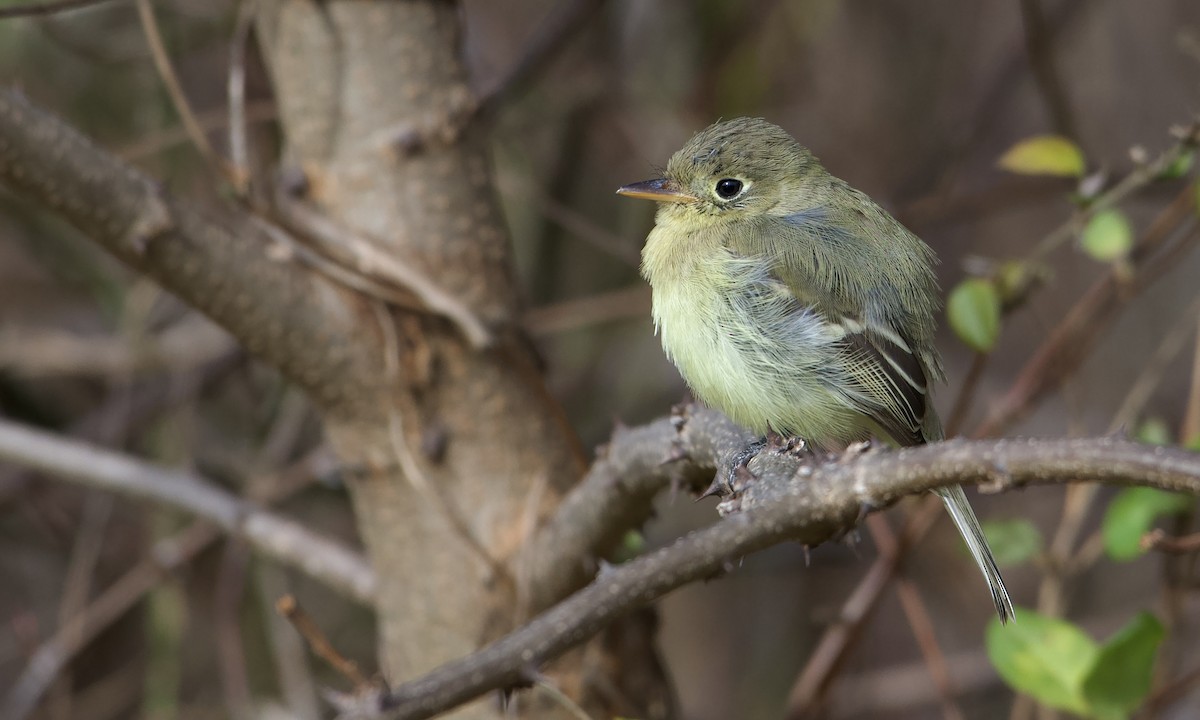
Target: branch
{"points": [[787, 498], [619, 489], [269, 533], [48, 8], [217, 259]]}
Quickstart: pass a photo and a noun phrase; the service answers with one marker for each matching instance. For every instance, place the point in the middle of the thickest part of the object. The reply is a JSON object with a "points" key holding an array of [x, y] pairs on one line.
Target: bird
{"points": [[796, 305]]}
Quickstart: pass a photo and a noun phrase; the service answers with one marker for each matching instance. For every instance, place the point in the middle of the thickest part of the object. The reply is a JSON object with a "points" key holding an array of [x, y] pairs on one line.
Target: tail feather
{"points": [[972, 534]]}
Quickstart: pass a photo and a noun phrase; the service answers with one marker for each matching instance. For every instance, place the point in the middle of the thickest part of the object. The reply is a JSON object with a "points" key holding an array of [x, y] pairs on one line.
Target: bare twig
{"points": [[191, 342], [1062, 353], [317, 641], [268, 532], [1049, 84], [918, 620], [51, 657], [359, 252], [548, 40], [48, 8], [633, 301], [1137, 179], [807, 695], [239, 149], [1159, 540], [162, 63]]}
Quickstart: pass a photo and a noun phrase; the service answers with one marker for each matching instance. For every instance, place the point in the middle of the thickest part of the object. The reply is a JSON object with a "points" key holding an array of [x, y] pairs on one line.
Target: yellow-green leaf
{"points": [[1108, 235], [1044, 657], [1044, 155], [974, 313]]}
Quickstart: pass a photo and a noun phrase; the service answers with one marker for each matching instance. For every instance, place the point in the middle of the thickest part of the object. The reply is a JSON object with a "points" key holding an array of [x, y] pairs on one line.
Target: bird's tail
{"points": [[972, 534]]}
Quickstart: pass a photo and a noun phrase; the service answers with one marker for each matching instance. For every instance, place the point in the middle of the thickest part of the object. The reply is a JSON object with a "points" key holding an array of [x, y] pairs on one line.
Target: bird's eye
{"points": [[728, 188]]}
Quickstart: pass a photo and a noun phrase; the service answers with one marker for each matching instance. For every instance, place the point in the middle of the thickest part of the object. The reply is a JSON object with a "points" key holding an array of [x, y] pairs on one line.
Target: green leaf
{"points": [[1120, 677], [1044, 155], [1179, 167], [1153, 431], [1012, 541], [1131, 514], [633, 543], [1043, 657], [1108, 235], [974, 313]]}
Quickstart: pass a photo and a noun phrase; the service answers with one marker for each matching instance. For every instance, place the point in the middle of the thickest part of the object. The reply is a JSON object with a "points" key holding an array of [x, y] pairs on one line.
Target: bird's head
{"points": [[734, 169]]}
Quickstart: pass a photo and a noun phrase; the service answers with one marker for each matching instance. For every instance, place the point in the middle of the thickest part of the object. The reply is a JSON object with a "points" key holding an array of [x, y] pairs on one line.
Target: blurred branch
{"points": [[48, 660], [1138, 178], [239, 146], [269, 533], [217, 259], [788, 497], [1039, 46], [166, 72], [808, 693], [917, 614], [1072, 339], [48, 8], [192, 342], [289, 608], [619, 304], [548, 40]]}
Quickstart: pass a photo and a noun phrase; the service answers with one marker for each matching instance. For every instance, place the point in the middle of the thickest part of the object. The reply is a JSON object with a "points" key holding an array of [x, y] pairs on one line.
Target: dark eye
{"points": [[728, 188]]}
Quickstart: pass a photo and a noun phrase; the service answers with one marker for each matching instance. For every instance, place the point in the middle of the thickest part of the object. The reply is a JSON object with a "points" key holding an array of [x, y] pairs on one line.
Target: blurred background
{"points": [[910, 102]]}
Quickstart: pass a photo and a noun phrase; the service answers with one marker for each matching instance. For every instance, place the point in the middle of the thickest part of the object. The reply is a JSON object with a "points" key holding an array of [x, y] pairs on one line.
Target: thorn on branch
{"points": [[152, 222], [999, 479]]}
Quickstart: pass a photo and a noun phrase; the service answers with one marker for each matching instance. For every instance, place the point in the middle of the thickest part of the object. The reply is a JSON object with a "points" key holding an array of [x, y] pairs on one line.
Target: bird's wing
{"points": [[886, 378], [889, 378]]}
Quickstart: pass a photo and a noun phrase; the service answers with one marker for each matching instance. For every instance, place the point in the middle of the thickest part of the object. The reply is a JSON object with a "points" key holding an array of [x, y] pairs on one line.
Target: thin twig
{"points": [[565, 315], [48, 8], [317, 641], [239, 147], [1158, 539], [1066, 347], [918, 620], [359, 252], [548, 40], [270, 533], [1137, 178], [166, 72], [807, 695], [1049, 84]]}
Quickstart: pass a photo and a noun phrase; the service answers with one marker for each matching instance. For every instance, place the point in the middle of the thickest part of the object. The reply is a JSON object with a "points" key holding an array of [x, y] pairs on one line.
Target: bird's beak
{"points": [[658, 190]]}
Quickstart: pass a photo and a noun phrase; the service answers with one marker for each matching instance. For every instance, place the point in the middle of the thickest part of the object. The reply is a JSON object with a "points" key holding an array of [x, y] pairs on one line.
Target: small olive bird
{"points": [[794, 304]]}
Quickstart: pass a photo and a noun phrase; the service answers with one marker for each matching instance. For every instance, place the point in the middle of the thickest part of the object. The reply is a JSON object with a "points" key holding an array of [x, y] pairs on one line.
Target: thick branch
{"points": [[790, 498], [269, 533], [216, 259]]}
